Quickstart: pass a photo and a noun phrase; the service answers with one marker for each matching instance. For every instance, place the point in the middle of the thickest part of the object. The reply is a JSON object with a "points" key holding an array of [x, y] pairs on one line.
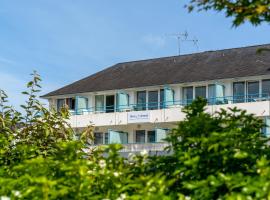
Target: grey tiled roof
{"points": [[210, 65]]}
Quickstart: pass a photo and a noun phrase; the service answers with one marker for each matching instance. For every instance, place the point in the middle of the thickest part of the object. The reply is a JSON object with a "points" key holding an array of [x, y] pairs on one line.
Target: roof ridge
{"points": [[189, 54]]}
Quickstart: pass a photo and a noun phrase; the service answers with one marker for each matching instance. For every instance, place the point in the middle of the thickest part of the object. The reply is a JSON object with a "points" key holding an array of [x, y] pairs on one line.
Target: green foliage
{"points": [[254, 11], [39, 159], [220, 156]]}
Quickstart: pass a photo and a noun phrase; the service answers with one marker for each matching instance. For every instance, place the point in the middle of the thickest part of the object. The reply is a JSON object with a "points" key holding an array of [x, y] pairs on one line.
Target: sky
{"points": [[66, 40]]}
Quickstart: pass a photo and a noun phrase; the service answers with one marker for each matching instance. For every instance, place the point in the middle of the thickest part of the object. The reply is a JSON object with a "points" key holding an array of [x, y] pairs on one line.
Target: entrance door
{"points": [[110, 104]]}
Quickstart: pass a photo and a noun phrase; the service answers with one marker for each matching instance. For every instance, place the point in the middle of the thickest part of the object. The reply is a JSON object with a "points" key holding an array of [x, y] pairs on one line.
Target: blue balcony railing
{"points": [[169, 104]]}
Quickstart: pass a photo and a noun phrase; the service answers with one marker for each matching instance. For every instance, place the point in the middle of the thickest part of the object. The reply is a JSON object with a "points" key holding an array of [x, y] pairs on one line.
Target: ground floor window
{"points": [[151, 136], [140, 136], [98, 138]]}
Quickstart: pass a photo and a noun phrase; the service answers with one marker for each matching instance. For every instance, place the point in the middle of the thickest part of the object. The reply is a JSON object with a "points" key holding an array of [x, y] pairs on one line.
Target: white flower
{"points": [[4, 198], [116, 174], [187, 198], [102, 163], [144, 153], [17, 193], [122, 197]]}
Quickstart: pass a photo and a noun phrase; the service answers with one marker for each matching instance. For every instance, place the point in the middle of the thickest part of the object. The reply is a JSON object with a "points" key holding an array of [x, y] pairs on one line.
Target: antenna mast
{"points": [[183, 37]]}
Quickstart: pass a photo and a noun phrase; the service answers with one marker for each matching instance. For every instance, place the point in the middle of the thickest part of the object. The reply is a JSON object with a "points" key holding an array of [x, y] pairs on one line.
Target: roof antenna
{"points": [[183, 37]]}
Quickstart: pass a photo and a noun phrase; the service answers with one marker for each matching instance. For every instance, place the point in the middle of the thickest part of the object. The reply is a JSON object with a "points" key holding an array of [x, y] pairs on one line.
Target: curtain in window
{"points": [[122, 101], [161, 134], [99, 103], [168, 96], [60, 104], [216, 94], [266, 129], [81, 104], [117, 137]]}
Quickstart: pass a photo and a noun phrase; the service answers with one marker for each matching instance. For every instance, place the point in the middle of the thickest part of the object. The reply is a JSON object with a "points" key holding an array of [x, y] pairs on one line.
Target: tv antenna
{"points": [[183, 37]]}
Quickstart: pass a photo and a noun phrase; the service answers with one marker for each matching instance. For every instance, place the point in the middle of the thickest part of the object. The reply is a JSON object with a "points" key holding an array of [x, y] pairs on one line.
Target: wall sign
{"points": [[138, 117]]}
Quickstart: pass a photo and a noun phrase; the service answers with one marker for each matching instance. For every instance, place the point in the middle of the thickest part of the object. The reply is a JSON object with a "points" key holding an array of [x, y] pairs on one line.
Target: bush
{"points": [[223, 156]]}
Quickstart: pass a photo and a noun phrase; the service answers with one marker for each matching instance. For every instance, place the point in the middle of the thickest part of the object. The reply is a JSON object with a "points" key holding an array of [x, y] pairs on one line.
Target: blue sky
{"points": [[66, 40]]}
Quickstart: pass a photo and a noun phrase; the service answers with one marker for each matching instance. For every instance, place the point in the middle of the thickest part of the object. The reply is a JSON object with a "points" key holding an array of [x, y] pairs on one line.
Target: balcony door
{"points": [[239, 92], [253, 91], [110, 103]]}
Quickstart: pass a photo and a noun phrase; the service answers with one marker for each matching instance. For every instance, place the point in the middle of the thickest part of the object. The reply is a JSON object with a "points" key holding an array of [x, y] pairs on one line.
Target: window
{"points": [[153, 100], [141, 100], [266, 88], [140, 136], [60, 104], [161, 97], [98, 138], [252, 91], [200, 92], [187, 95], [70, 103], [151, 136], [211, 94], [106, 138], [110, 103], [239, 92], [99, 103]]}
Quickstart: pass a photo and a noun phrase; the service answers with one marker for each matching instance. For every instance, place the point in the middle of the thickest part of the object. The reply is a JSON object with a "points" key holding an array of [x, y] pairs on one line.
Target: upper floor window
{"points": [[187, 94], [153, 100], [70, 103], [99, 103], [161, 99], [253, 91], [239, 92], [200, 92], [141, 100], [266, 88], [60, 104]]}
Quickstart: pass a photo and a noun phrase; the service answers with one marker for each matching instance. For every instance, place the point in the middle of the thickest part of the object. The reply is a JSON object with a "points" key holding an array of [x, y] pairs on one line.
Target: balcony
{"points": [[137, 147], [162, 112]]}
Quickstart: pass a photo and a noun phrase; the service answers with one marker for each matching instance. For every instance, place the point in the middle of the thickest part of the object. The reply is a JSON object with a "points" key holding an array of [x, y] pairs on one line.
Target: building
{"points": [[137, 103]]}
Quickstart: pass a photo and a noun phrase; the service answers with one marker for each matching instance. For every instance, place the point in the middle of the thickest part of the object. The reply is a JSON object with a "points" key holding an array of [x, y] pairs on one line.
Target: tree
{"points": [[220, 156], [254, 11]]}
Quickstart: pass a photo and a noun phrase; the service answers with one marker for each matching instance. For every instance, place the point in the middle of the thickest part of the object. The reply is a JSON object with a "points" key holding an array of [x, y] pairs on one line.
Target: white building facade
{"points": [[138, 103]]}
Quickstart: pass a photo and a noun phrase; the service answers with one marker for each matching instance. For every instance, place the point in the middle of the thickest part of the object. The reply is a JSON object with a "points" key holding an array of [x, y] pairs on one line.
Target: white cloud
{"points": [[6, 61], [154, 40]]}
